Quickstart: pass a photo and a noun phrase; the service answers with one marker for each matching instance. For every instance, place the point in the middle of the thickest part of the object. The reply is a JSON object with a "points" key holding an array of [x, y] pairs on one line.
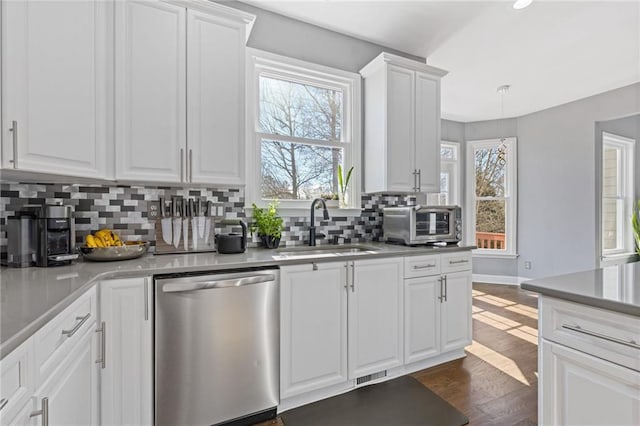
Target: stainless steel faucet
{"points": [[312, 228]]}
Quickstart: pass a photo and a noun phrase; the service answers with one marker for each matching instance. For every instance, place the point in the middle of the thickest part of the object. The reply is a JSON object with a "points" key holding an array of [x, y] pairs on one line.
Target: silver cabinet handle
{"points": [[44, 412], [14, 130], [440, 281], [190, 165], [415, 180], [457, 262], [205, 285], [76, 327], [103, 344], [3, 402], [419, 180], [630, 343], [353, 277], [146, 299], [429, 265], [446, 290], [182, 176]]}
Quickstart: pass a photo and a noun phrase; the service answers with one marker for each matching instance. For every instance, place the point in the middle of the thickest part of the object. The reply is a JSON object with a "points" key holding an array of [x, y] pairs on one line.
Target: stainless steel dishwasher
{"points": [[216, 347]]}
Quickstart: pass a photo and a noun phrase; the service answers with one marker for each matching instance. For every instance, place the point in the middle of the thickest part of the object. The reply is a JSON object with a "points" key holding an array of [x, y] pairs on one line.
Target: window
{"points": [[449, 176], [306, 122], [491, 207], [617, 194]]}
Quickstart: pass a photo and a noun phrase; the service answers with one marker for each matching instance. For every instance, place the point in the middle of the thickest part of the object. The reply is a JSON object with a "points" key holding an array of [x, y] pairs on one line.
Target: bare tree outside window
{"points": [[490, 169], [301, 127]]}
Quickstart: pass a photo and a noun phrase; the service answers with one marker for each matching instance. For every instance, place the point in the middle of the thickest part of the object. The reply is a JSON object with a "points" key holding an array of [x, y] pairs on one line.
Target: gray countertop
{"points": [[616, 288], [30, 297]]}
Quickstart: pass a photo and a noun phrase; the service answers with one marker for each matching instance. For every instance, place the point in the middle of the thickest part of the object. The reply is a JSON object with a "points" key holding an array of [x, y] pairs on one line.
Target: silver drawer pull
{"points": [[76, 327], [3, 402], [44, 412], [578, 329], [430, 265], [456, 262]]}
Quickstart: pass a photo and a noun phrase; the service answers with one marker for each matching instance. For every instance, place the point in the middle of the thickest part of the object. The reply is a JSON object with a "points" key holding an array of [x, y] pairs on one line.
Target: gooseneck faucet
{"points": [[312, 228]]}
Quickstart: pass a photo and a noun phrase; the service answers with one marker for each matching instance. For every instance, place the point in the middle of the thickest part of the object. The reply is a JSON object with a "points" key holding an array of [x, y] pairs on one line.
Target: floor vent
{"points": [[370, 377]]}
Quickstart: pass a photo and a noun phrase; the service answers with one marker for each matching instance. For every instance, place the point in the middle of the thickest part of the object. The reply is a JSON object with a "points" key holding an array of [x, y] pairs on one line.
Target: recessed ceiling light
{"points": [[521, 4]]}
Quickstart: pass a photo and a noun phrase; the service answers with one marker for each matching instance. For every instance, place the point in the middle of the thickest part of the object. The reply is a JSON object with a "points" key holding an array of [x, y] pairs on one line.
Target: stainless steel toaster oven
{"points": [[414, 225]]}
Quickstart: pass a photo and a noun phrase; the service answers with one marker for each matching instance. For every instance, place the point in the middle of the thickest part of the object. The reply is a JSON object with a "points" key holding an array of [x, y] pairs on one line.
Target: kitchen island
{"points": [[589, 347]]}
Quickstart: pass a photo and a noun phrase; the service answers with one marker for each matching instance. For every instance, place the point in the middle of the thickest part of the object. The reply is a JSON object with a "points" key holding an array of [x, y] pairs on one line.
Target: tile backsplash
{"points": [[124, 209]]}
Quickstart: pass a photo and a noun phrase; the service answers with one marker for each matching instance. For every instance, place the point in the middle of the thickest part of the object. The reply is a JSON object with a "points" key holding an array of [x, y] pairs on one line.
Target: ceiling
{"points": [[550, 53]]}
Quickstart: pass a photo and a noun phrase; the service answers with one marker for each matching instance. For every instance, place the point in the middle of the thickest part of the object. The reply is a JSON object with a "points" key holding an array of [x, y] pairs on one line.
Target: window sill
{"points": [[305, 212], [478, 253], [618, 258]]}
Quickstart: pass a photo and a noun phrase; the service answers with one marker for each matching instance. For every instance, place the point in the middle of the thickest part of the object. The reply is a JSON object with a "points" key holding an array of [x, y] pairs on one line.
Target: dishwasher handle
{"points": [[206, 285]]}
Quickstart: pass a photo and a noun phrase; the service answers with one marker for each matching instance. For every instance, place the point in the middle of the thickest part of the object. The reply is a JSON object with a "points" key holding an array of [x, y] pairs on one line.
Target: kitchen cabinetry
{"points": [[589, 365], [126, 312], [313, 327], [437, 305], [375, 316], [180, 91], [402, 125], [55, 94]]}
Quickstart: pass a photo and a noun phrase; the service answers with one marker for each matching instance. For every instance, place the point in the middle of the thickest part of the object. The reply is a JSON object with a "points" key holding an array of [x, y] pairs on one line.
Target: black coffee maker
{"points": [[41, 235]]}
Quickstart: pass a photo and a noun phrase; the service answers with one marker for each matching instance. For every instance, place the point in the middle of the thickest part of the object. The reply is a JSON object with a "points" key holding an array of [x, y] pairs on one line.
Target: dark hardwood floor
{"points": [[497, 382]]}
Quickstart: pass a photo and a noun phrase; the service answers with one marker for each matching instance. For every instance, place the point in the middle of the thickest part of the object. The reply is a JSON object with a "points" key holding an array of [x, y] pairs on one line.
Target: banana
{"points": [[104, 238], [90, 241], [99, 241]]}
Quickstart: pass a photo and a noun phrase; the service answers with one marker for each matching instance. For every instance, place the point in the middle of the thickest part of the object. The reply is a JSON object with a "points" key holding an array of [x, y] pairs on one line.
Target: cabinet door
{"points": [[580, 389], [422, 318], [313, 327], [127, 386], [428, 132], [400, 129], [56, 89], [73, 392], [23, 417], [456, 311], [376, 322], [150, 91], [215, 89]]}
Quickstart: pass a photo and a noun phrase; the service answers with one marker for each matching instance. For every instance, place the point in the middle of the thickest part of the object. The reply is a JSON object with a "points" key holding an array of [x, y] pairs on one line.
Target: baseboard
{"points": [[499, 279]]}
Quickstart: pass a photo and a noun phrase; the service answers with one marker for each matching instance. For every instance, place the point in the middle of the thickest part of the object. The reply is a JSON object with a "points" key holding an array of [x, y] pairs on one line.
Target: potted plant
{"points": [[331, 199], [635, 222], [267, 224], [343, 183]]}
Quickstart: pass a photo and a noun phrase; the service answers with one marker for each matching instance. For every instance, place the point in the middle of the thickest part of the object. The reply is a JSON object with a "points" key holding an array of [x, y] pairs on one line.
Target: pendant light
{"points": [[521, 4], [502, 149]]}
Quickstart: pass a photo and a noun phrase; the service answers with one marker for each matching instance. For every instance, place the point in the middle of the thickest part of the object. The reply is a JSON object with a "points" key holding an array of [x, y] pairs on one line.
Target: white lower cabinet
{"points": [[126, 312], [23, 417], [313, 327], [375, 316], [580, 389], [71, 395], [422, 318], [455, 314]]}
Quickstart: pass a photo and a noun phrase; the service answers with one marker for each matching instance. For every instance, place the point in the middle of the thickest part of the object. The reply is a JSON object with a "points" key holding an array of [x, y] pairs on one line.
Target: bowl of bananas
{"points": [[106, 246]]}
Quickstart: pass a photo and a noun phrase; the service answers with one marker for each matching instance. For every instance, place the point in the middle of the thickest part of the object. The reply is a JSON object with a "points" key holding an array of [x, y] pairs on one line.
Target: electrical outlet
{"points": [[527, 264], [154, 210]]}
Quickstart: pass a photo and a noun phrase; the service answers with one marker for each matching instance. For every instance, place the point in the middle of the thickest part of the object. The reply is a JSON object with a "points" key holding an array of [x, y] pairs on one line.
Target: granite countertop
{"points": [[616, 288], [30, 297]]}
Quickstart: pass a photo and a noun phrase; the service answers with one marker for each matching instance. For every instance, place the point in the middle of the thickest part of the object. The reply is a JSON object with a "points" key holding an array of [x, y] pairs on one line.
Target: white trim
{"points": [[499, 279], [511, 204], [277, 66], [488, 254]]}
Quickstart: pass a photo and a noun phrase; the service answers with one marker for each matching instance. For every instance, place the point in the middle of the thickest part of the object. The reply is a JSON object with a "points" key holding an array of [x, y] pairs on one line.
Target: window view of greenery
{"points": [[301, 139], [490, 168]]}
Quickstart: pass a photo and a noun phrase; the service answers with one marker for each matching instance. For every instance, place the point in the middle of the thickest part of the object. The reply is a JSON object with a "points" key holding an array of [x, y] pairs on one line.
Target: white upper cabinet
{"points": [[402, 125], [55, 99], [150, 91], [180, 92], [215, 98]]}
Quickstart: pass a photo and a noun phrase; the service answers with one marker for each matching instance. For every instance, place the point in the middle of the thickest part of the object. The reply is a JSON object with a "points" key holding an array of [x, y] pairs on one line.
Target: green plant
{"points": [[266, 220], [331, 196], [635, 222], [343, 182]]}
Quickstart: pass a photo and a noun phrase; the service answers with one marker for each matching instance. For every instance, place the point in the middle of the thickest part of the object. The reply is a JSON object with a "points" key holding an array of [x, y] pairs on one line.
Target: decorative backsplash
{"points": [[124, 209]]}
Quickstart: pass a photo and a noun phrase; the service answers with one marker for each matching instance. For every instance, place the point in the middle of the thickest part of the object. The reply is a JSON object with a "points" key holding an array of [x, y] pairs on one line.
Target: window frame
{"points": [[511, 197], [626, 178], [261, 63], [455, 184]]}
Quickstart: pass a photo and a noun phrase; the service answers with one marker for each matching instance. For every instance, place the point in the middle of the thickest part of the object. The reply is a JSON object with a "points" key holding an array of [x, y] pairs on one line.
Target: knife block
{"points": [[203, 245]]}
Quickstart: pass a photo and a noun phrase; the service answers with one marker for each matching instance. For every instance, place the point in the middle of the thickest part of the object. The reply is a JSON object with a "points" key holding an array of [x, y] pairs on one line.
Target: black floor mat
{"points": [[401, 401]]}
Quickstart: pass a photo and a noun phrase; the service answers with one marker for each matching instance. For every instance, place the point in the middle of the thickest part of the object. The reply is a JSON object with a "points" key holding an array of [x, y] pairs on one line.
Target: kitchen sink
{"points": [[323, 251]]}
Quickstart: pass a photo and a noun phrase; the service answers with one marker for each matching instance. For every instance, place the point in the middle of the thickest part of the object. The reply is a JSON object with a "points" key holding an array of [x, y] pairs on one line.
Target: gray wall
{"points": [[296, 39]]}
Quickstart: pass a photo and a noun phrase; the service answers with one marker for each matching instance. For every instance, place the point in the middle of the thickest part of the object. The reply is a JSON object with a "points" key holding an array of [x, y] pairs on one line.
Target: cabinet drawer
{"points": [[608, 335], [58, 336], [16, 381], [456, 262], [421, 266]]}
